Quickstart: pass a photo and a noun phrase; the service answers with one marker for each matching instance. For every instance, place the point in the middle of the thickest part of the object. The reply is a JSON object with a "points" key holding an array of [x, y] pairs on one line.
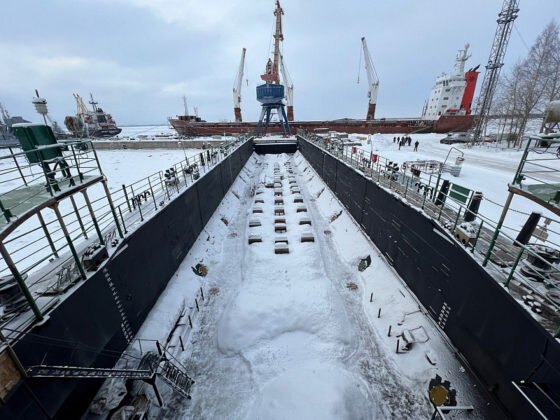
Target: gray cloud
{"points": [[138, 57]]}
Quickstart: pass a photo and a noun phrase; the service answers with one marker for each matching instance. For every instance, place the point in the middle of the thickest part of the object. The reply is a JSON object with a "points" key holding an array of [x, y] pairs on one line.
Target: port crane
{"points": [[373, 81], [237, 89], [271, 94], [289, 89]]}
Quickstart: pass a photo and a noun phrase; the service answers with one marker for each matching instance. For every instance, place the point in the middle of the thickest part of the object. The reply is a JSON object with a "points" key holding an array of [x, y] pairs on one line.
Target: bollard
{"points": [[371, 297], [398, 343], [389, 333], [201, 293], [196, 302], [190, 321], [379, 313]]}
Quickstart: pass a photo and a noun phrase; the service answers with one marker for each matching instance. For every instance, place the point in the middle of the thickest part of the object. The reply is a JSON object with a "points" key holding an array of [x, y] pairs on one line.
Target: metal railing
{"points": [[41, 240], [483, 236]]}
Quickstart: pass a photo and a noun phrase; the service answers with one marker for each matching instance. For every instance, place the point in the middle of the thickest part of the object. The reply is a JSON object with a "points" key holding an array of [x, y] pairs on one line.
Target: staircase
{"points": [[150, 366]]}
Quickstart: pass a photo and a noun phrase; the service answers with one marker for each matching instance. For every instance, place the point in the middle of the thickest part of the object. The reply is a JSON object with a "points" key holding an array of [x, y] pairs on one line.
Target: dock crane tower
{"points": [[271, 93], [506, 18], [237, 89], [373, 81], [289, 89]]}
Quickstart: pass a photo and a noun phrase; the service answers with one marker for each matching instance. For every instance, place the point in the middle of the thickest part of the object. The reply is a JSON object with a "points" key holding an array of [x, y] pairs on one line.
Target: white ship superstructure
{"points": [[447, 94]]}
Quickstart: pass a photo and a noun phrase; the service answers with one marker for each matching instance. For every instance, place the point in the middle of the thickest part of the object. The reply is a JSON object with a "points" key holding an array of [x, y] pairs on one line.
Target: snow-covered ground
{"points": [[487, 168], [295, 335], [119, 166]]}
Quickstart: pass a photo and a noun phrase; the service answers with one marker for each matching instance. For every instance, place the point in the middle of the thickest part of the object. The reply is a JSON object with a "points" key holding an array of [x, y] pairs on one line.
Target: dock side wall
{"points": [[88, 328], [500, 340]]}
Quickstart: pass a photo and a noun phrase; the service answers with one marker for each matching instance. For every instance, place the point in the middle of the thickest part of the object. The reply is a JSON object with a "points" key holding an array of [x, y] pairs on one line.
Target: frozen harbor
{"points": [[303, 334]]}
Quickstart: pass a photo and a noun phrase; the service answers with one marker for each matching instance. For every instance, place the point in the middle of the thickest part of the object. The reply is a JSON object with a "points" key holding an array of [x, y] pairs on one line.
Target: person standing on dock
{"points": [[394, 139], [416, 143], [409, 140]]}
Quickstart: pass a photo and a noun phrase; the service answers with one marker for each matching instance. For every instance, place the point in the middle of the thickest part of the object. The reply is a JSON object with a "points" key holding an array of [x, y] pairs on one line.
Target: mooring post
{"points": [[190, 321], [371, 297], [69, 240], [389, 333], [379, 313], [398, 343], [196, 303], [201, 293], [20, 281], [93, 218]]}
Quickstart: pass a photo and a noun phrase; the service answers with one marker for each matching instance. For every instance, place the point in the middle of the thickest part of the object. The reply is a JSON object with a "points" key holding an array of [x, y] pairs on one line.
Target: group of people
{"points": [[404, 140]]}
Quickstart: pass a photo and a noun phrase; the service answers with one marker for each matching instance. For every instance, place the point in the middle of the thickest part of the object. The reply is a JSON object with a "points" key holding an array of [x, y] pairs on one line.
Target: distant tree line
{"points": [[529, 87]]}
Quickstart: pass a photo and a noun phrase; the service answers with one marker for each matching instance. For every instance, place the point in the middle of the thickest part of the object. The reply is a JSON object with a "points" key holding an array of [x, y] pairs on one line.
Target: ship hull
{"points": [[397, 126], [106, 132]]}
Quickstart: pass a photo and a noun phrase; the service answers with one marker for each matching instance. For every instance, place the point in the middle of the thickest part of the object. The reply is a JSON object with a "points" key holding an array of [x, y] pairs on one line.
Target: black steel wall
{"points": [[499, 338], [86, 329]]}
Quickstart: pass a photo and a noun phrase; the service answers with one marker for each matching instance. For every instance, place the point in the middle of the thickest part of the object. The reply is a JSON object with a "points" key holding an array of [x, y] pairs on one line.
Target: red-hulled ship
{"points": [[448, 107]]}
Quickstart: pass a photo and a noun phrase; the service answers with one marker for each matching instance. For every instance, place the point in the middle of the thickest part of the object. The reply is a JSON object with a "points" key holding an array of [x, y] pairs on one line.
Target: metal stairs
{"points": [[151, 366]]}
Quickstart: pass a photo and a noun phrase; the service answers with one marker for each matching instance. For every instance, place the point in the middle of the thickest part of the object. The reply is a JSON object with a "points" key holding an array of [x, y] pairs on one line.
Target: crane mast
{"points": [[185, 105], [506, 17], [271, 73], [237, 89], [289, 89], [373, 81]]}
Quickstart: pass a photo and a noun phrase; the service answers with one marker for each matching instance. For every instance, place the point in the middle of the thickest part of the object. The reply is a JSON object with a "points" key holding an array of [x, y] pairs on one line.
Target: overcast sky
{"points": [[138, 57]]}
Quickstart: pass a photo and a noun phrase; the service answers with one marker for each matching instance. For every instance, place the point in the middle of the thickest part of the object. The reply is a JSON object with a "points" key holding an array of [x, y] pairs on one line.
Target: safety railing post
{"points": [[69, 240], [77, 212], [510, 276], [47, 233], [93, 218], [110, 200], [126, 198], [20, 281], [477, 236]]}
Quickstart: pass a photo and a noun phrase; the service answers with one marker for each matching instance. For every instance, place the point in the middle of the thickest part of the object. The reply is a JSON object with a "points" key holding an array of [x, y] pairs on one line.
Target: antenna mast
{"points": [[506, 17]]}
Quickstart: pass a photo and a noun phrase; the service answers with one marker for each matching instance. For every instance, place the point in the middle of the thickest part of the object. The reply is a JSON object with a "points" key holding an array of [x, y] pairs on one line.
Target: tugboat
{"points": [[86, 123]]}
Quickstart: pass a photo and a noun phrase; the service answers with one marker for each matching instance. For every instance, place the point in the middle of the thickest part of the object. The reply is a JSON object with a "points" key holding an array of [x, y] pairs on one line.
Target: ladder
{"points": [[150, 366]]}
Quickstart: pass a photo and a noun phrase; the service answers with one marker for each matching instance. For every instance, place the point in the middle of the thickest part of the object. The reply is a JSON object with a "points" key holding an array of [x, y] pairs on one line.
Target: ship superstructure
{"points": [[6, 123], [95, 123], [453, 93]]}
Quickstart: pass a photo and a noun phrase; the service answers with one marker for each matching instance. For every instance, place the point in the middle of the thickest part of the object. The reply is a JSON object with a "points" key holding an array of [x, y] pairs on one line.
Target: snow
{"points": [[283, 335], [487, 168]]}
